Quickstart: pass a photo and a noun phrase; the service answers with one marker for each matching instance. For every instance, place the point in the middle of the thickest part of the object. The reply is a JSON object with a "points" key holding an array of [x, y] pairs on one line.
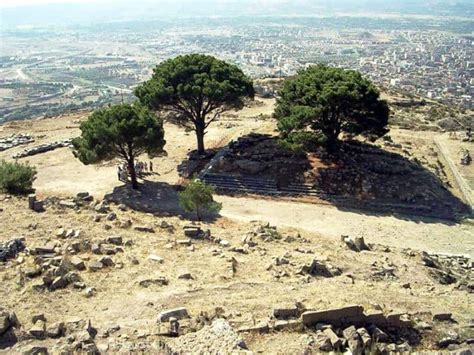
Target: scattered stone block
{"points": [[336, 342], [192, 232], [95, 266], [39, 329], [360, 244], [178, 313], [442, 317], [156, 258], [258, 328], [185, 276], [115, 240], [286, 311], [145, 229], [160, 281], [58, 283], [333, 316], [78, 263], [56, 330], [67, 204]]}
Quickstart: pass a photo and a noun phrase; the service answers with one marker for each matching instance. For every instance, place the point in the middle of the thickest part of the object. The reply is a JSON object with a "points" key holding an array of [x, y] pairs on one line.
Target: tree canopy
{"points": [[328, 101], [16, 178], [125, 131], [196, 89], [198, 197]]}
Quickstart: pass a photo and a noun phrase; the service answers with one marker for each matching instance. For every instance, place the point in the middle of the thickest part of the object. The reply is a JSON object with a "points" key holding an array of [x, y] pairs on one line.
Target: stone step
{"points": [[240, 183]]}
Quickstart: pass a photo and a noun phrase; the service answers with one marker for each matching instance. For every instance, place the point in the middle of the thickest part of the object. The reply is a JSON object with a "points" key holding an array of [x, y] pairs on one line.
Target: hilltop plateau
{"points": [[104, 268]]}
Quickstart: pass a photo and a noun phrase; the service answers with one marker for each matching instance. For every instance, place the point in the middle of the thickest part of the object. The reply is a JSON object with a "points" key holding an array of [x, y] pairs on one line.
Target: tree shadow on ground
{"points": [[159, 198], [364, 178], [360, 177]]}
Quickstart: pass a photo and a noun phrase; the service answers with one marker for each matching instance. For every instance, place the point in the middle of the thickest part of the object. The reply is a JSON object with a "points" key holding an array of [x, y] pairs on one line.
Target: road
{"points": [[433, 236]]}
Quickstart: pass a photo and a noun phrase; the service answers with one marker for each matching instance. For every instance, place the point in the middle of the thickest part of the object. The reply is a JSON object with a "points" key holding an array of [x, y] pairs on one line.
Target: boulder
{"points": [[39, 329]]}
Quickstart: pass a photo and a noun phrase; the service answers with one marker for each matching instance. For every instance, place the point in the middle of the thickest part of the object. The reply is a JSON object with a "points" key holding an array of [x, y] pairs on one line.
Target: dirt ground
{"points": [[257, 284], [59, 173], [247, 296]]}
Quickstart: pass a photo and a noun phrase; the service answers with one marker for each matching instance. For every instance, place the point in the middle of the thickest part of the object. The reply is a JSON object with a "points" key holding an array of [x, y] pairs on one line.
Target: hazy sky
{"points": [[13, 3]]}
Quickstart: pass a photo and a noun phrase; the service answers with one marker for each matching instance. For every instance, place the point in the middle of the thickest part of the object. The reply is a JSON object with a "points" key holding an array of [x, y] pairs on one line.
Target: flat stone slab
{"points": [[333, 316], [178, 313]]}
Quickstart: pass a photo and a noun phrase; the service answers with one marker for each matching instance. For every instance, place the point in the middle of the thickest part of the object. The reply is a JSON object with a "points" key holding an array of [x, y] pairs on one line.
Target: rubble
{"points": [[319, 268], [219, 337], [11, 248], [43, 148], [15, 140], [450, 269]]}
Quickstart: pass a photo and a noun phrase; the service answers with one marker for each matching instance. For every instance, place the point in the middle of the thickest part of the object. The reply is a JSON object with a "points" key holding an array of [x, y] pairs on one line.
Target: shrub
{"points": [[198, 197], [16, 178]]}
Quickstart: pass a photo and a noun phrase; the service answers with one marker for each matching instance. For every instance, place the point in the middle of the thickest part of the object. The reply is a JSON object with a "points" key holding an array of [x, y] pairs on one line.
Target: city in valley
{"points": [[214, 177]]}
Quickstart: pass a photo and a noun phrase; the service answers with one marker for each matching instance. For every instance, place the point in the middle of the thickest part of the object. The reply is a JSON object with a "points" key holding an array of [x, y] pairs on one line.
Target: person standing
{"points": [[151, 166]]}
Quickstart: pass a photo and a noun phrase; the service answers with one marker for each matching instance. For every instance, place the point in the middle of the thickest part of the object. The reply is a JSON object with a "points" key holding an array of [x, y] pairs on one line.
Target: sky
{"points": [[15, 3]]}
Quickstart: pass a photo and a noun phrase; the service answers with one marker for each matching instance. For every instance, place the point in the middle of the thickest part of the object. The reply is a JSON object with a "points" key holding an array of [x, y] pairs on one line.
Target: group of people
{"points": [[123, 171]]}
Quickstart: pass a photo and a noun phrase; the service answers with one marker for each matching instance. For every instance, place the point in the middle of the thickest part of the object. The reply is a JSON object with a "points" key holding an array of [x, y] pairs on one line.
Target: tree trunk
{"points": [[198, 212], [133, 174], [332, 144], [200, 137]]}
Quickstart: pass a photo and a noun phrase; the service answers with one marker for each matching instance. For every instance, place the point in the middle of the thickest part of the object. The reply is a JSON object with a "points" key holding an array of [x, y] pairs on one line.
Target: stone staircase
{"points": [[260, 186], [242, 184], [226, 183]]}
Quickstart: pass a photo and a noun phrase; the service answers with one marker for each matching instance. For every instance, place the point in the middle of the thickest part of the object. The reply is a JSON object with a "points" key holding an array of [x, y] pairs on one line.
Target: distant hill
{"points": [[55, 14]]}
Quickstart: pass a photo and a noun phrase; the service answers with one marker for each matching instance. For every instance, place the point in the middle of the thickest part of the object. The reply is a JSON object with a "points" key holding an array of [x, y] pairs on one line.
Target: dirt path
{"points": [[329, 221]]}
